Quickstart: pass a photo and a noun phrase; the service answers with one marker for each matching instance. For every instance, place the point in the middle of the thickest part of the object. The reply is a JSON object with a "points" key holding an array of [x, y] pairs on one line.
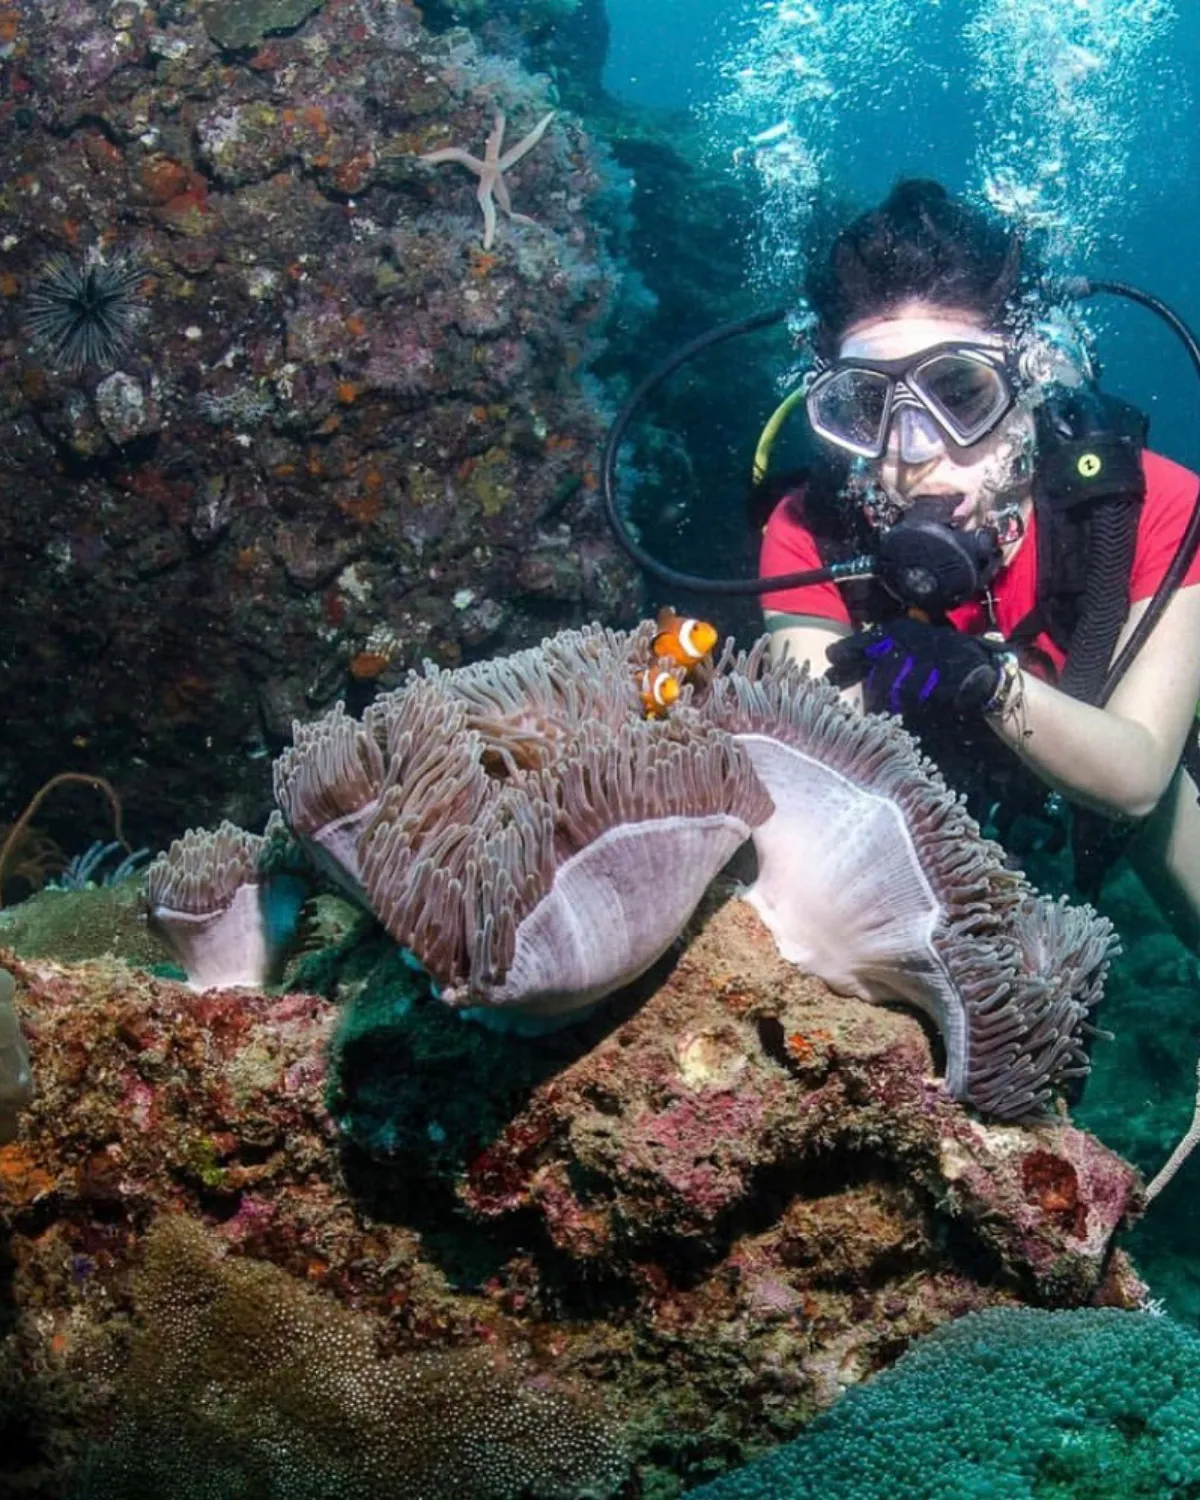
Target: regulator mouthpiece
{"points": [[927, 563]]}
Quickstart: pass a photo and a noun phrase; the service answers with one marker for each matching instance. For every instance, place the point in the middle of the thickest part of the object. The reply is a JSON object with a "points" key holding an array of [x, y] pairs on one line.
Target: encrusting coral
{"points": [[242, 1380], [873, 876], [1012, 1401], [717, 1205]]}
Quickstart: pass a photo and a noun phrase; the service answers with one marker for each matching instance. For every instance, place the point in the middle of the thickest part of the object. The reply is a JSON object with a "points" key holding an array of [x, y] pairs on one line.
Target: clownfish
{"points": [[684, 641], [659, 690]]}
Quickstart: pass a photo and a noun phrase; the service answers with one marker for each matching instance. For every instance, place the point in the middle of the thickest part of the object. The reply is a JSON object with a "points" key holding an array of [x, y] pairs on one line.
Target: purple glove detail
{"points": [[917, 670]]}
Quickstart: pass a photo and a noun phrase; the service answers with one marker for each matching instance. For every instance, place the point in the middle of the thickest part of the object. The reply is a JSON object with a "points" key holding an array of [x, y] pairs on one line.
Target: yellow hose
{"points": [[766, 441]]}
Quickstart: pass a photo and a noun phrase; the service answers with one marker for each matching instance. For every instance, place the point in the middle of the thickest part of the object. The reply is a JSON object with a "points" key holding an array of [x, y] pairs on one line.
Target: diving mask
{"points": [[954, 392]]}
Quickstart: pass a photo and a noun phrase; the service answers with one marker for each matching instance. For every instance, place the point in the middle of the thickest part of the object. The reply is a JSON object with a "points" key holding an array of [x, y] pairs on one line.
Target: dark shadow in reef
{"points": [[421, 1093]]}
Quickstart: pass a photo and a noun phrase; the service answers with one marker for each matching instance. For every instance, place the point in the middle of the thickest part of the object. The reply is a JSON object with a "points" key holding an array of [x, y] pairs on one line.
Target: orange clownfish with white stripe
{"points": [[659, 689], [684, 641]]}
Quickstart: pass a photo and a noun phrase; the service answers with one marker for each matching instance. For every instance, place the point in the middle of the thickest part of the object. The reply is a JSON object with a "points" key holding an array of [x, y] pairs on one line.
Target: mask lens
{"points": [[968, 395], [850, 408]]}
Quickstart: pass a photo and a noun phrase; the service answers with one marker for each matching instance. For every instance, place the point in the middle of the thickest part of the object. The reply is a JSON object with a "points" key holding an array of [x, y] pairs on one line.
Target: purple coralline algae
{"points": [[276, 424]]}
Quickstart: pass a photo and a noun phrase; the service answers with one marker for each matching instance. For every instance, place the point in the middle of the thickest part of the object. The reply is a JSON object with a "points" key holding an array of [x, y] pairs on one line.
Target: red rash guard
{"points": [[788, 546]]}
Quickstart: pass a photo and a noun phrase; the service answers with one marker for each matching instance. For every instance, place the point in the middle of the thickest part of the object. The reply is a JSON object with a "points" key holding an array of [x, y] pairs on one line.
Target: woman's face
{"points": [[978, 473]]}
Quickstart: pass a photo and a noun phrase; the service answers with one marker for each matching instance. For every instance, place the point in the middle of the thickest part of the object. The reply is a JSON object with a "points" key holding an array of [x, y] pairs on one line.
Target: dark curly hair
{"points": [[919, 243]]}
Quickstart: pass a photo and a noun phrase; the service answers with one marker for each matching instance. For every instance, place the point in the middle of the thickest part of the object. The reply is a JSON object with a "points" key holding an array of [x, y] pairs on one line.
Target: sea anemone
{"points": [[536, 843], [329, 781], [519, 827], [16, 1077], [873, 877], [327, 784], [572, 881], [525, 706], [80, 313], [225, 923]]}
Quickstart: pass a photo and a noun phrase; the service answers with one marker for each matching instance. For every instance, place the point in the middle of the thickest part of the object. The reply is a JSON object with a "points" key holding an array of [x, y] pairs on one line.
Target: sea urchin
{"points": [[85, 313]]}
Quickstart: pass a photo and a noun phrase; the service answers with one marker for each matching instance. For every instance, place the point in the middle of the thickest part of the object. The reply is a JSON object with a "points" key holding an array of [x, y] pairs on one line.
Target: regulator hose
{"points": [[1085, 286], [726, 587]]}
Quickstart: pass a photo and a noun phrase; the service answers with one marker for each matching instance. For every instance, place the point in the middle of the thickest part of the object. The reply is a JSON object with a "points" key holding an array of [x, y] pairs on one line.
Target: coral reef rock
{"points": [[280, 426], [690, 1221]]}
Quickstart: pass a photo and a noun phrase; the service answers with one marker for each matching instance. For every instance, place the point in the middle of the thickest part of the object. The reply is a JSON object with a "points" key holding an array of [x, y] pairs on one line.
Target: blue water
{"points": [[926, 115], [657, 52], [1078, 120]]}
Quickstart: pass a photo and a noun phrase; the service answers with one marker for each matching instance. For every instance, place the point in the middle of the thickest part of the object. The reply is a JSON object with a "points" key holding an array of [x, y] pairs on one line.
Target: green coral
{"points": [[1008, 1404], [71, 926]]}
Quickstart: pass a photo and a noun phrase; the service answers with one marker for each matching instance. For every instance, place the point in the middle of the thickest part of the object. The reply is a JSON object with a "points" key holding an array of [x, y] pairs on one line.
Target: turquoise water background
{"points": [[1126, 107], [666, 56]]}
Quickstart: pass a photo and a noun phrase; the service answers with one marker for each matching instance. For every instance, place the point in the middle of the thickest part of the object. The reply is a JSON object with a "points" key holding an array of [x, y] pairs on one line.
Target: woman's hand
{"points": [[916, 669], [1119, 759]]}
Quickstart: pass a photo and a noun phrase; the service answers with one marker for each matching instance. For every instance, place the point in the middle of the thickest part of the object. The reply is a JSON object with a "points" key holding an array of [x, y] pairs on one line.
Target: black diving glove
{"points": [[917, 670]]}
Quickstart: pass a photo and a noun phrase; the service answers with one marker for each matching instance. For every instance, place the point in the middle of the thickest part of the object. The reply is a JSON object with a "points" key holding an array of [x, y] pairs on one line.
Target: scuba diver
{"points": [[941, 403]]}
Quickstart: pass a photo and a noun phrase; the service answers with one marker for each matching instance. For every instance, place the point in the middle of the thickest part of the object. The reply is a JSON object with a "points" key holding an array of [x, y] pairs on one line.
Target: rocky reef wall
{"points": [[277, 423], [690, 1222]]}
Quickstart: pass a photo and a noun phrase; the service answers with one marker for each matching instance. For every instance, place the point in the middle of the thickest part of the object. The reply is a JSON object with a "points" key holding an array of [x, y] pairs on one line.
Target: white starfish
{"points": [[491, 170]]}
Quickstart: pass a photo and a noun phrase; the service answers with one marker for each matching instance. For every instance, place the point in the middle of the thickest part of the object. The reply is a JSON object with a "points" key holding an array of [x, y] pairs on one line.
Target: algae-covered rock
{"points": [[97, 922], [720, 1200], [244, 23]]}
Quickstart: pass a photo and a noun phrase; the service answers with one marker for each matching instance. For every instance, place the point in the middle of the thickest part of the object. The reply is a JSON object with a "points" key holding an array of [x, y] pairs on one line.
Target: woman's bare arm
{"points": [[1119, 759], [803, 638]]}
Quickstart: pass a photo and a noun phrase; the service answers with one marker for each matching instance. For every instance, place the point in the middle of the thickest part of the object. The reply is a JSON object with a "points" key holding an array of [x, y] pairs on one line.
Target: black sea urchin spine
{"points": [[85, 313]]}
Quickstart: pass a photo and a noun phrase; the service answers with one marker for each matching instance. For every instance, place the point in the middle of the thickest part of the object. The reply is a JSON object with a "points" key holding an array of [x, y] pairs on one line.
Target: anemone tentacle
{"points": [[205, 897], [873, 874], [328, 783], [556, 843]]}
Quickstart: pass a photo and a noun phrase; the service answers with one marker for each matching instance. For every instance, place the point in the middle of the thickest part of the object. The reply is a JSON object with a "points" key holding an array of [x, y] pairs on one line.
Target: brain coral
{"points": [[1007, 1404]]}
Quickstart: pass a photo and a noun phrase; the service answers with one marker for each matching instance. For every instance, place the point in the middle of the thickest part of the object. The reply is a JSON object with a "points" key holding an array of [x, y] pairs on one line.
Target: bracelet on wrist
{"points": [[1007, 684]]}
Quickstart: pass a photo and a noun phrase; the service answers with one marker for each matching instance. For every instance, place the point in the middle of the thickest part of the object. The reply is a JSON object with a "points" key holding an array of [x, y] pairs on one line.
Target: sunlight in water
{"points": [[1070, 89], [1062, 97], [790, 67]]}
